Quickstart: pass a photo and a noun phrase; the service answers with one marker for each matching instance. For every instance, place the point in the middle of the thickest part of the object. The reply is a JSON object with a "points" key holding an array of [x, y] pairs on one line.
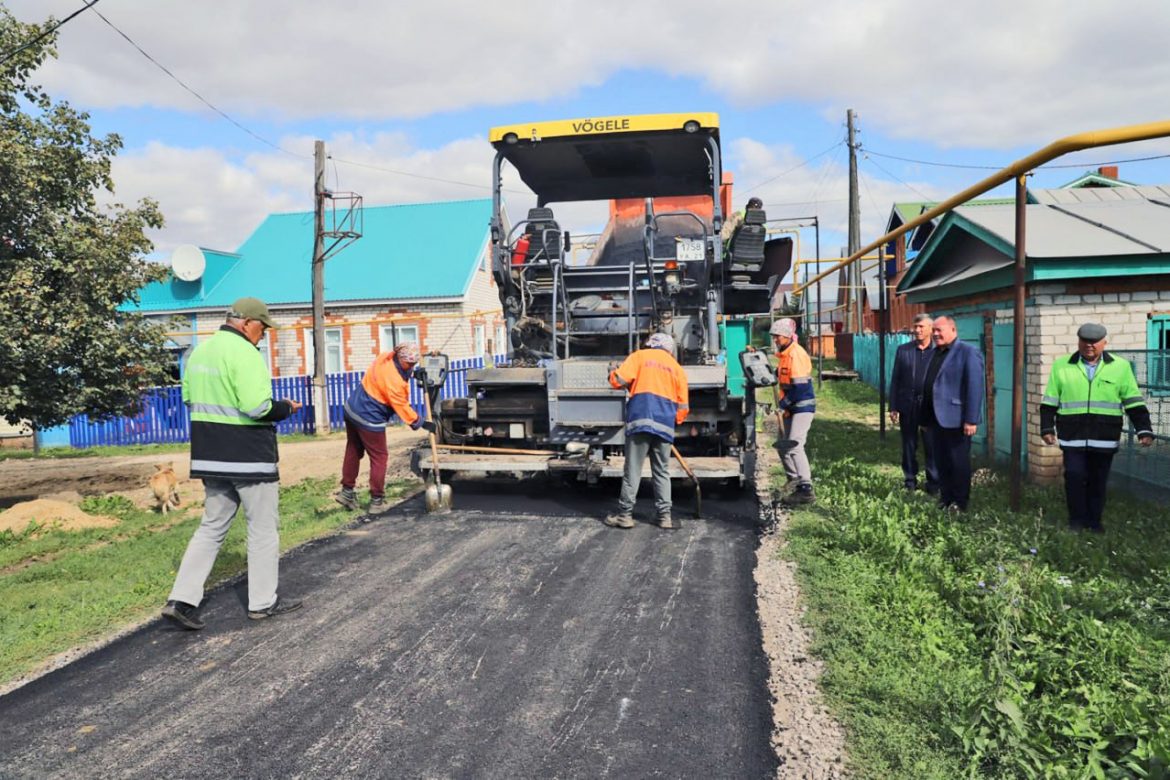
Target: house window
{"points": [[478, 334], [501, 345], [1158, 363], [265, 347], [390, 336], [333, 361]]}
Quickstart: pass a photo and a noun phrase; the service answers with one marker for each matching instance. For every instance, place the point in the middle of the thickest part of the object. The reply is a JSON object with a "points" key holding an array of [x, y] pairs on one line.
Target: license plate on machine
{"points": [[689, 249]]}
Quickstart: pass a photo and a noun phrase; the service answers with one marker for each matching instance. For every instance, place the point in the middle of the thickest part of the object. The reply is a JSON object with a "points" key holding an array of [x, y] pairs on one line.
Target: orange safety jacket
{"points": [[794, 375], [384, 392], [658, 392]]}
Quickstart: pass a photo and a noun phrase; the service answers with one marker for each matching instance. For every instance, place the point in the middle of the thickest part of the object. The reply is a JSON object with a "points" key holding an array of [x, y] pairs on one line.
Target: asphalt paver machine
{"points": [[576, 307]]}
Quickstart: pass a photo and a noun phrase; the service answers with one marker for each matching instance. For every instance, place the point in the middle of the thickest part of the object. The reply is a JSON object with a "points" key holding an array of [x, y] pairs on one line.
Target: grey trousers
{"points": [[219, 508], [791, 447], [638, 445]]}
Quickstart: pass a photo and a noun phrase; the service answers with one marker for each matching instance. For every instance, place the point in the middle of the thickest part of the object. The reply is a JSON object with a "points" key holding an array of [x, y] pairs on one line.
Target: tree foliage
{"points": [[66, 262]]}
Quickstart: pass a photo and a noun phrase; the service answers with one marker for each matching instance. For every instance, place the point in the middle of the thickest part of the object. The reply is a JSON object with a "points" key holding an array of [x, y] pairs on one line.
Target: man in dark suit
{"points": [[952, 408], [906, 385]]}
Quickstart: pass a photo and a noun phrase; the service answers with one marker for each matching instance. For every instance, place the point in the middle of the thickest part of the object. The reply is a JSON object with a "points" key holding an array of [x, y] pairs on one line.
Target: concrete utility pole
{"points": [[320, 402], [853, 276]]}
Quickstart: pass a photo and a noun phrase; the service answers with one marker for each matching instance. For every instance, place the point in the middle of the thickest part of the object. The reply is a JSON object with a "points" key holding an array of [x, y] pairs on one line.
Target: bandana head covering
{"points": [[661, 341]]}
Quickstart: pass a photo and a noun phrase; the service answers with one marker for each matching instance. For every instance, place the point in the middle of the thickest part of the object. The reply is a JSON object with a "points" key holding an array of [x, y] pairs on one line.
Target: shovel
{"points": [[691, 474], [438, 498]]}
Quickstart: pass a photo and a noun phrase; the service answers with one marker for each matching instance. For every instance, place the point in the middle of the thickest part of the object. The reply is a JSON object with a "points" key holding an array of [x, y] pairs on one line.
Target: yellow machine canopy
{"points": [[614, 157]]}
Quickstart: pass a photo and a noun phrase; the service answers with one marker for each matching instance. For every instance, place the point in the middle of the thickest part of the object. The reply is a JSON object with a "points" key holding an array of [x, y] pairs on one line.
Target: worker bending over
{"points": [[383, 393], [657, 403]]}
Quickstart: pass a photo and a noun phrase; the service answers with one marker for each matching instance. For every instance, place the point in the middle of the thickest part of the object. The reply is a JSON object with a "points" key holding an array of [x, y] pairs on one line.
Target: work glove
{"points": [[427, 426]]}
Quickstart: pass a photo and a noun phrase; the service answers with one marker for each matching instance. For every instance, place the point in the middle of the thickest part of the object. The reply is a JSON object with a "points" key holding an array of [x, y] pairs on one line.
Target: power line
{"points": [[1001, 167], [895, 178], [9, 55], [421, 176], [794, 168], [201, 99]]}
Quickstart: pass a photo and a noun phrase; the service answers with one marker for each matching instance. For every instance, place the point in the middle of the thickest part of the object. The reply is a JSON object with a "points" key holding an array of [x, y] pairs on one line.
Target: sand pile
{"points": [[59, 514]]}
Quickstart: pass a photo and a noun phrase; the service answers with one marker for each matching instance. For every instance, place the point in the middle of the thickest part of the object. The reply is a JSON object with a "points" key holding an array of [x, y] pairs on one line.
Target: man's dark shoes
{"points": [[279, 607], [183, 615], [802, 495]]}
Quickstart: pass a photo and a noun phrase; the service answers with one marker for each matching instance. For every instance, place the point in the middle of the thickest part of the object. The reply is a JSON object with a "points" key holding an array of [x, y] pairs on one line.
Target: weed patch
{"points": [[994, 644]]}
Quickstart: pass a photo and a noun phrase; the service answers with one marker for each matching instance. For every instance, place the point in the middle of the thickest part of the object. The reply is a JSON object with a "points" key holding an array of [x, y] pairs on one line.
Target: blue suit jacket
{"points": [[902, 390], [958, 388]]}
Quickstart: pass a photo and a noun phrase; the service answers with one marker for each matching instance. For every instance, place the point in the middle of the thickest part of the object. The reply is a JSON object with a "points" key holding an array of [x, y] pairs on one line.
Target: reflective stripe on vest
{"points": [[1099, 444], [231, 467]]}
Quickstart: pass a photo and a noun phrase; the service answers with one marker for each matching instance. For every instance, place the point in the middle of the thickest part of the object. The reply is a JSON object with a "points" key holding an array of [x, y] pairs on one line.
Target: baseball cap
{"points": [[252, 309], [1091, 331]]}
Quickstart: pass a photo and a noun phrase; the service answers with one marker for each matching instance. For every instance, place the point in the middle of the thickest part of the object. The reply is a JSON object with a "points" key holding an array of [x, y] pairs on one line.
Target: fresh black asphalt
{"points": [[514, 637]]}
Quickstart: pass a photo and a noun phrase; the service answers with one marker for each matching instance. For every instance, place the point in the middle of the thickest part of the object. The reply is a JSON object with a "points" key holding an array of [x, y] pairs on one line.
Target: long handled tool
{"points": [[438, 496], [691, 474]]}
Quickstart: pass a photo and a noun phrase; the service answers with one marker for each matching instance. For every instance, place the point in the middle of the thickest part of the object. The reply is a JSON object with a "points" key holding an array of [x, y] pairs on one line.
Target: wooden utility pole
{"points": [[853, 276], [320, 399]]}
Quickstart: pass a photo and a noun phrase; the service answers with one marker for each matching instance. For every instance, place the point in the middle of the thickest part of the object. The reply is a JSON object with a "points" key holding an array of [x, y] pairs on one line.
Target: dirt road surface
{"points": [[27, 479]]}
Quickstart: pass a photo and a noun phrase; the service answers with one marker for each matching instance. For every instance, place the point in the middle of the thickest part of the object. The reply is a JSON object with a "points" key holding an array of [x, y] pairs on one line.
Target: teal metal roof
{"points": [[176, 294], [412, 251]]}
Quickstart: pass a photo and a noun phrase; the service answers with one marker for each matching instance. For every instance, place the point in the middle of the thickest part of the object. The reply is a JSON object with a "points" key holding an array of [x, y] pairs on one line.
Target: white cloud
{"points": [[979, 73]]}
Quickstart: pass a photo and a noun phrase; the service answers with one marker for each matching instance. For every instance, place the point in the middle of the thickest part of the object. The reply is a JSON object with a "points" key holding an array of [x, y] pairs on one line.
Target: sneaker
{"points": [[620, 521], [347, 498], [279, 607], [183, 615], [378, 506], [664, 521]]}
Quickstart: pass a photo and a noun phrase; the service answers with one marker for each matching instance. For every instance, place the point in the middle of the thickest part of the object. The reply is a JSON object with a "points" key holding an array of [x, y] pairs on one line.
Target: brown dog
{"points": [[165, 485]]}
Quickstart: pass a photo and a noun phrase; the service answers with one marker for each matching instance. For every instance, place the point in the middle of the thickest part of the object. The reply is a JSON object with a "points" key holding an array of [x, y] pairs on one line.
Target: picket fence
{"points": [[164, 418]]}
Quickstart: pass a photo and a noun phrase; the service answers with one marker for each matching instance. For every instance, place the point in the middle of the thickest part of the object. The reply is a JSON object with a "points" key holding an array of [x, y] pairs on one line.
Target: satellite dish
{"points": [[188, 262]]}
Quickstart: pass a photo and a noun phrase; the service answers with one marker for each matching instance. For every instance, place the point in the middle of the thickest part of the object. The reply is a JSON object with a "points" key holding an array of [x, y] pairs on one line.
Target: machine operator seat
{"points": [[544, 241], [746, 248]]}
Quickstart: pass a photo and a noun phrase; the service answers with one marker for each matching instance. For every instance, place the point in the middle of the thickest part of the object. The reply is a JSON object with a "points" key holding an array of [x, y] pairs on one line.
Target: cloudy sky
{"points": [[403, 94]]}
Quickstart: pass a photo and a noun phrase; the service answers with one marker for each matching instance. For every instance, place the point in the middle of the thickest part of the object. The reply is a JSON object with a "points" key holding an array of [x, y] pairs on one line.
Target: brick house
{"points": [[1094, 253], [419, 272]]}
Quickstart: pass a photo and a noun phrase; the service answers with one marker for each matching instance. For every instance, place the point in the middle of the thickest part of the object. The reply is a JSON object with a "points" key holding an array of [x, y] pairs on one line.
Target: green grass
{"points": [[992, 644], [63, 589]]}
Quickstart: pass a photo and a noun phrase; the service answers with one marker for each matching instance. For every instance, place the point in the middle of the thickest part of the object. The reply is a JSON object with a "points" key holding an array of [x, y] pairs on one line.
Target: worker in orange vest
{"points": [[798, 404], [658, 402], [383, 393]]}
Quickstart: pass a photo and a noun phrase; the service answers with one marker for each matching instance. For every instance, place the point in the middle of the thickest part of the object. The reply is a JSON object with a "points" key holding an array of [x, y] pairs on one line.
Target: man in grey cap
{"points": [[1088, 394], [228, 389]]}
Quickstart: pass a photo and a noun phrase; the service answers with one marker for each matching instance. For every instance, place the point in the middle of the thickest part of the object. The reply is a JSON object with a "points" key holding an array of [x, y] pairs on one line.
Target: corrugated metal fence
{"points": [[164, 417]]}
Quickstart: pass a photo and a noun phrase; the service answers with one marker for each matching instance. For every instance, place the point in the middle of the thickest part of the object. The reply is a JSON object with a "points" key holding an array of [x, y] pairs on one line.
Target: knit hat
{"points": [[660, 341], [407, 353]]}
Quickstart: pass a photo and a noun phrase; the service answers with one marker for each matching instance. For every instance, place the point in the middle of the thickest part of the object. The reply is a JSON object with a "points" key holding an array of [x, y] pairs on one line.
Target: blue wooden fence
{"points": [[164, 417]]}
